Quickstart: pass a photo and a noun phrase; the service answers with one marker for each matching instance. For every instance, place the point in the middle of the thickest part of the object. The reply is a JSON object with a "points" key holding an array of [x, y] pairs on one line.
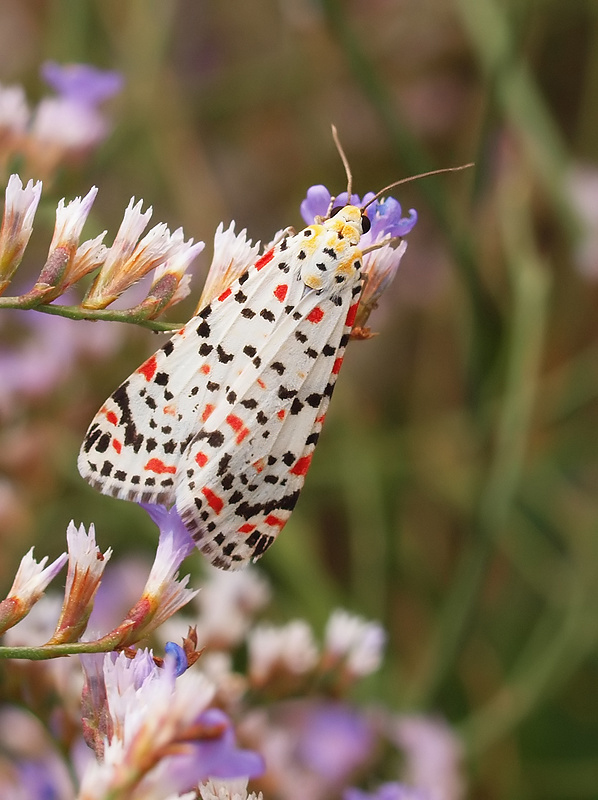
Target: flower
{"points": [[384, 215], [56, 274], [171, 284], [160, 735], [227, 602], [17, 225], [289, 649], [334, 741], [82, 83], [86, 567], [71, 121], [359, 644], [14, 112], [227, 790], [387, 791], [27, 588], [130, 258], [433, 755], [163, 594]]}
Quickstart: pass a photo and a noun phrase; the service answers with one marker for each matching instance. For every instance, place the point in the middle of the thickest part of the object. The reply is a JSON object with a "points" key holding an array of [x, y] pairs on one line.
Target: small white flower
{"points": [[17, 224], [380, 266], [228, 602], [70, 220], [291, 647], [134, 223], [14, 111], [86, 567], [32, 578], [84, 555], [177, 262], [90, 255], [233, 254], [69, 125], [227, 790], [355, 640]]}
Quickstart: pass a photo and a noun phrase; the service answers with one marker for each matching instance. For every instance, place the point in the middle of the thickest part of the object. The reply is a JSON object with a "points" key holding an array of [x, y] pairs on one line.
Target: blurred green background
{"points": [[454, 494]]}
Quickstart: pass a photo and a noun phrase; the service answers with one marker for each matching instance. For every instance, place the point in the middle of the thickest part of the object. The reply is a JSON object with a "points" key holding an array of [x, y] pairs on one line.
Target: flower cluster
{"points": [[63, 127], [168, 727]]}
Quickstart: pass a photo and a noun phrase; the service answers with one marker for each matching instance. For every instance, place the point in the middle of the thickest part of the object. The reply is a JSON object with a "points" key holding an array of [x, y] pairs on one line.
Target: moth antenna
{"points": [[345, 161], [415, 178]]}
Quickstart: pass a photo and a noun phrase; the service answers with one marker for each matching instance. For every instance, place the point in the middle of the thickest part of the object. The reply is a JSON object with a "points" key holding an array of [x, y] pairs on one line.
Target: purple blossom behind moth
{"points": [[223, 420]]}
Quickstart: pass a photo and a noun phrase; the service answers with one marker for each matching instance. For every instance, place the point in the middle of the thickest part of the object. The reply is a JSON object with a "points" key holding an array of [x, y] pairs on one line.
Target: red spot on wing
{"points": [[336, 367], [111, 417], [281, 292], [274, 521], [321, 419], [261, 383], [117, 445], [301, 466], [205, 368], [281, 414], [351, 314], [207, 411], [170, 409], [224, 295], [247, 528], [265, 259], [148, 369], [215, 502], [159, 467], [315, 315], [238, 426], [201, 459], [259, 465]]}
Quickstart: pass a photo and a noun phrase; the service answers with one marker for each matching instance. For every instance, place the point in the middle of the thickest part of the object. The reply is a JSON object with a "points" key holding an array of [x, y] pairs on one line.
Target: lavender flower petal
{"points": [[176, 652], [82, 83], [316, 203]]}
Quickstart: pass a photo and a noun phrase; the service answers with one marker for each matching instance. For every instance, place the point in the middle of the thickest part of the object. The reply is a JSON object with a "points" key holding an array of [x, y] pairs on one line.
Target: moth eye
{"points": [[335, 210], [365, 223]]}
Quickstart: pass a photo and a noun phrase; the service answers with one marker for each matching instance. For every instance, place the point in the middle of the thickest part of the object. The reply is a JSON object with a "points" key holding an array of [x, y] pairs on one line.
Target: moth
{"points": [[224, 418]]}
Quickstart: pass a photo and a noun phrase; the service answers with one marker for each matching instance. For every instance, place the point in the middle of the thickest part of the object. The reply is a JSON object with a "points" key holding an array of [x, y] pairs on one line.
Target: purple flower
{"points": [[176, 652], [385, 215], [44, 778], [335, 741], [220, 757], [387, 791], [82, 83], [172, 526]]}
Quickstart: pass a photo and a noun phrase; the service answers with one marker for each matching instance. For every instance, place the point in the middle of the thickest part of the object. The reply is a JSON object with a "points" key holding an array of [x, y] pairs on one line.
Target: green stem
{"points": [[131, 316], [530, 285], [521, 102], [485, 316]]}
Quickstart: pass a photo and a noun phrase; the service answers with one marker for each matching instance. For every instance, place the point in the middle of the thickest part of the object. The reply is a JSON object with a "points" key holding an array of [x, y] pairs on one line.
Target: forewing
{"points": [[133, 447], [245, 468]]}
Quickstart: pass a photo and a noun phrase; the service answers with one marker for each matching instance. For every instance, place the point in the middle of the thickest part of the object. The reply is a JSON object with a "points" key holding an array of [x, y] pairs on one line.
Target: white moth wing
{"points": [[135, 442], [244, 470]]}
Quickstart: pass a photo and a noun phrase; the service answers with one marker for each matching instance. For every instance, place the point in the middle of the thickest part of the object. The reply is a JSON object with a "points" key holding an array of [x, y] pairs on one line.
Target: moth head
{"points": [[332, 261], [347, 219]]}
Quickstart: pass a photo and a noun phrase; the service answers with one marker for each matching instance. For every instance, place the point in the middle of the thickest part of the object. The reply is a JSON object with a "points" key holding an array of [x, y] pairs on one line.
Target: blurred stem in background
{"points": [[529, 281], [485, 319]]}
